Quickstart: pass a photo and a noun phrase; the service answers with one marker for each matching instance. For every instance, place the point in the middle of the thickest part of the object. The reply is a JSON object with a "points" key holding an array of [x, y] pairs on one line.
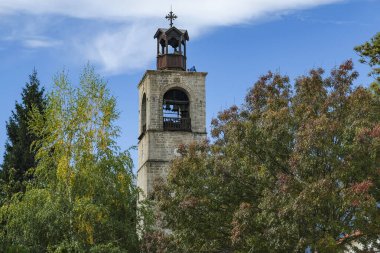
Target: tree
{"points": [[19, 158], [83, 196], [293, 168], [370, 54]]}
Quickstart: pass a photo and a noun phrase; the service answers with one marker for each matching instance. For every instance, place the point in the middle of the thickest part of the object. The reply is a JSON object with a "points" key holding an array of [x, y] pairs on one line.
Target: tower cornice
{"points": [[169, 72]]}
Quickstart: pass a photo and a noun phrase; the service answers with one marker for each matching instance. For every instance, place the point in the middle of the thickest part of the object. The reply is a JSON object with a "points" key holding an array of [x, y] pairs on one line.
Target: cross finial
{"points": [[171, 16]]}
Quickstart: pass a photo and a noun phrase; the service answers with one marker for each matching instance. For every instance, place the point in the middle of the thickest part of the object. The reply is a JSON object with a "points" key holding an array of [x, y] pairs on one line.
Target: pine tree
{"points": [[19, 158]]}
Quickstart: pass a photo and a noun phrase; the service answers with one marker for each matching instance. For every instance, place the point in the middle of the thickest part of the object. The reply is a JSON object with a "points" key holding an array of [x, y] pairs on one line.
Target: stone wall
{"points": [[157, 147]]}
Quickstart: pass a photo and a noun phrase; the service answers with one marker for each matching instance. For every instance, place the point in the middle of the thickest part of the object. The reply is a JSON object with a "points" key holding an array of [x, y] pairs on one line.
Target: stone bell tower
{"points": [[172, 107]]}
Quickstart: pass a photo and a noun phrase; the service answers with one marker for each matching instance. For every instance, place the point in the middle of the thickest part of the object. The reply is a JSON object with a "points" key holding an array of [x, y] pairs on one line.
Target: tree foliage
{"points": [[83, 196], [296, 166], [19, 158], [370, 54]]}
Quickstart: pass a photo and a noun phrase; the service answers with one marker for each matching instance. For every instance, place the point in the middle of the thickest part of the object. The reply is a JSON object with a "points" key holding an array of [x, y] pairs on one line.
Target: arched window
{"points": [[143, 114], [176, 111]]}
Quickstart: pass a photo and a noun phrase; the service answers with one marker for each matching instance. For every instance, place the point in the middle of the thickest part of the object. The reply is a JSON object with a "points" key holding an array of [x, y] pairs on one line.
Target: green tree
{"points": [[290, 169], [19, 158], [83, 196], [370, 54]]}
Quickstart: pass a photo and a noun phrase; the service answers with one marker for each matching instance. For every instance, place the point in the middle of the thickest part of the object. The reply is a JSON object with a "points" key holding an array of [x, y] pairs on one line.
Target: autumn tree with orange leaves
{"points": [[296, 167]]}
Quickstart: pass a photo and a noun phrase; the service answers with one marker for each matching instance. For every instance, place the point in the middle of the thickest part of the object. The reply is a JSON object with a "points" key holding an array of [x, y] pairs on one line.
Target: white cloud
{"points": [[124, 42], [38, 43], [126, 48]]}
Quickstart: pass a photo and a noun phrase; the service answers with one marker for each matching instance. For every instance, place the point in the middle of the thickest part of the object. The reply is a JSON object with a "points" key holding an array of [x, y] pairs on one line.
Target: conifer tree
{"points": [[19, 157]]}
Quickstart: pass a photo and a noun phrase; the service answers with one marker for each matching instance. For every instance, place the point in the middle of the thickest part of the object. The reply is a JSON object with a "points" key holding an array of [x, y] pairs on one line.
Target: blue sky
{"points": [[234, 41]]}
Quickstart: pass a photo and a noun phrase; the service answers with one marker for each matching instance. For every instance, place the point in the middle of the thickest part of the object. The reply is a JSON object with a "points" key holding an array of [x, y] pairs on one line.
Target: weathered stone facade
{"points": [[157, 146]]}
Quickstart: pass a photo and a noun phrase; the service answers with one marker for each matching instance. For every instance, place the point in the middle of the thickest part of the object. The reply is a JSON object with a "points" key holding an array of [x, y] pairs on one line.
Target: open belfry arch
{"points": [[172, 107]]}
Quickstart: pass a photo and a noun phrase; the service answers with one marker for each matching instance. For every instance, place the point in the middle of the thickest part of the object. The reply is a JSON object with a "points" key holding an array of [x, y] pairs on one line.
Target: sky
{"points": [[235, 41]]}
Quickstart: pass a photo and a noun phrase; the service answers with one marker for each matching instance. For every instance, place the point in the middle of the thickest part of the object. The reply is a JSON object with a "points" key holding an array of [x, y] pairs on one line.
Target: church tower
{"points": [[172, 107]]}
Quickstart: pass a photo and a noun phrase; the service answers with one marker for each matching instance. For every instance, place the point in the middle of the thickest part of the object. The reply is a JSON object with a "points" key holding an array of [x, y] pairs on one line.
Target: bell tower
{"points": [[172, 107]]}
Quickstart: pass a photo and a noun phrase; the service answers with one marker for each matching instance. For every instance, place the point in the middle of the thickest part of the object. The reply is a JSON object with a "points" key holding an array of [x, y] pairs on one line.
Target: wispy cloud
{"points": [[40, 43], [129, 47], [123, 40]]}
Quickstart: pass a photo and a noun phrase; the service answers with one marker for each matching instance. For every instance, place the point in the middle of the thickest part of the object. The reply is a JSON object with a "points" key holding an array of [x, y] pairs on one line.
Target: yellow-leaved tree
{"points": [[83, 197]]}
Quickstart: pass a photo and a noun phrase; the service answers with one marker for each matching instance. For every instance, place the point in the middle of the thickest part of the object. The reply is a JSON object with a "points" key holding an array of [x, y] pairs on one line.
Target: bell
{"points": [[167, 107]]}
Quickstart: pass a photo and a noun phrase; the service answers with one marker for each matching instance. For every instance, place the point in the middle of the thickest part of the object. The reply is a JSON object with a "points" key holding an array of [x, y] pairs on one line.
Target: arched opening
{"points": [[143, 114], [176, 113]]}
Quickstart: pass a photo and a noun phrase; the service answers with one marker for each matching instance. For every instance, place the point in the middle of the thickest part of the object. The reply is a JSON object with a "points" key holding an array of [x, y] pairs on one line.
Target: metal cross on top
{"points": [[171, 16]]}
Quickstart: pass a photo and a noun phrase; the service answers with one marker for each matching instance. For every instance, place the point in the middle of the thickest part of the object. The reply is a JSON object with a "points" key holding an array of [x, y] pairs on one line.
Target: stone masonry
{"points": [[157, 147]]}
